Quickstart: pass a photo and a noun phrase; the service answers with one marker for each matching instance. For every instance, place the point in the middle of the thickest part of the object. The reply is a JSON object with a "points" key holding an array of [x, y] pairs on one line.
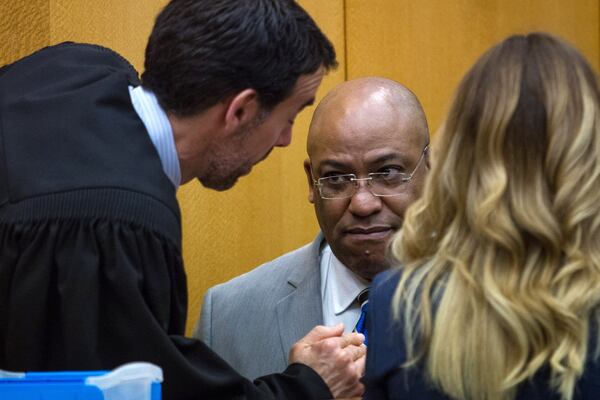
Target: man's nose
{"points": [[285, 138], [364, 203]]}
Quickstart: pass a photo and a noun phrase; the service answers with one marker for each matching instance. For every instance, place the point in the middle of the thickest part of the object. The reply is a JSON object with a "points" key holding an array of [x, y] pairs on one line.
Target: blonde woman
{"points": [[499, 293]]}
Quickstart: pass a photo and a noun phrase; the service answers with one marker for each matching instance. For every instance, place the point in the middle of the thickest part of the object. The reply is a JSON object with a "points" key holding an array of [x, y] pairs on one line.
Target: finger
{"points": [[354, 339], [360, 363], [321, 332], [357, 392], [357, 352]]}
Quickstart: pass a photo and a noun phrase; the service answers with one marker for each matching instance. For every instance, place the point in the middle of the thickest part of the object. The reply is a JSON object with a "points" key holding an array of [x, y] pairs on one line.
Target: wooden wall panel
{"points": [[24, 28], [122, 25], [429, 44]]}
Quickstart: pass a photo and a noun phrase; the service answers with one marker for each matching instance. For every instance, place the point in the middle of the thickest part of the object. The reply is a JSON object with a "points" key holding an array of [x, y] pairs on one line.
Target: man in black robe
{"points": [[91, 273]]}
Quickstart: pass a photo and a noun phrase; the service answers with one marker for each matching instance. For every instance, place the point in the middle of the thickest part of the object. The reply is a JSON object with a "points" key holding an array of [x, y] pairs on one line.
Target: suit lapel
{"points": [[302, 309]]}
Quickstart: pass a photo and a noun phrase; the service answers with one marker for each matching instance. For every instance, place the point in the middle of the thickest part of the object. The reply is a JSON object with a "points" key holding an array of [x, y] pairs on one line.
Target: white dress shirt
{"points": [[159, 129], [339, 288]]}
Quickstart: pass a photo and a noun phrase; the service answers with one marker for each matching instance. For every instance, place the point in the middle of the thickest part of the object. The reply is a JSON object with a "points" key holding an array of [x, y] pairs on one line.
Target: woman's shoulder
{"points": [[386, 281]]}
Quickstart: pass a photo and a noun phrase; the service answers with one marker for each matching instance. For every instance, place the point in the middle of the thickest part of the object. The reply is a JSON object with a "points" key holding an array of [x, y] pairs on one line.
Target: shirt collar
{"points": [[159, 129], [343, 284]]}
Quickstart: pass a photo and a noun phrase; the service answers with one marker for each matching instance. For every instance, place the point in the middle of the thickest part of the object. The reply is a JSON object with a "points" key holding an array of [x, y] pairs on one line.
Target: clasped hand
{"points": [[338, 358]]}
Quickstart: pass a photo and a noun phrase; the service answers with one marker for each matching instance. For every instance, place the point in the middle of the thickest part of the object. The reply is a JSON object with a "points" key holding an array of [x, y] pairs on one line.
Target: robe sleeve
{"points": [[85, 294]]}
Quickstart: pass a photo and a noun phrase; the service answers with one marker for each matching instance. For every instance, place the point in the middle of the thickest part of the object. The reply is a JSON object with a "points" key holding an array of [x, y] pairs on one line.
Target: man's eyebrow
{"points": [[376, 161], [333, 164], [387, 157]]}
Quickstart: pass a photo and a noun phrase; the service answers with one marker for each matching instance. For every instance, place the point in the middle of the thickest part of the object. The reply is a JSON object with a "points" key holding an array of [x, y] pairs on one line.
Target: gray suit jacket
{"points": [[253, 320]]}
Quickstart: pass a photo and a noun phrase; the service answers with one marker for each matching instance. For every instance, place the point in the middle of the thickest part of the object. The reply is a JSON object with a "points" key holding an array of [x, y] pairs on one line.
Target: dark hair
{"points": [[201, 51]]}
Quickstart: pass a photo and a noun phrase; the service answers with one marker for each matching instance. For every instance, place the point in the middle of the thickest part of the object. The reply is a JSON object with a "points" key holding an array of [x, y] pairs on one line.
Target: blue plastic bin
{"points": [[133, 381]]}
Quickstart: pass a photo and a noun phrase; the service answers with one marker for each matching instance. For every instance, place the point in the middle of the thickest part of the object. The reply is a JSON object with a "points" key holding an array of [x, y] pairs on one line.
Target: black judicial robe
{"points": [[91, 273]]}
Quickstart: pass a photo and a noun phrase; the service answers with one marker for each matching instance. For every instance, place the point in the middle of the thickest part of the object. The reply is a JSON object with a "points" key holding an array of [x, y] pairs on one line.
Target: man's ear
{"points": [[311, 187], [242, 109]]}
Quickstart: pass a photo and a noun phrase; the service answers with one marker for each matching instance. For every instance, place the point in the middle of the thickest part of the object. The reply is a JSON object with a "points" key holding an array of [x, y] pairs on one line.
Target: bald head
{"points": [[372, 130], [363, 95]]}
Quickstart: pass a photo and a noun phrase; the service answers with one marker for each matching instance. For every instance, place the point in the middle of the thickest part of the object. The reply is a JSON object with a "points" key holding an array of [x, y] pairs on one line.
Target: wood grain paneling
{"points": [[429, 44]]}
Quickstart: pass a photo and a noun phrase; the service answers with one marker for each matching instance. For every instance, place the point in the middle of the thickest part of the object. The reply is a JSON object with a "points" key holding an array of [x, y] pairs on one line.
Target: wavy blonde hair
{"points": [[501, 255]]}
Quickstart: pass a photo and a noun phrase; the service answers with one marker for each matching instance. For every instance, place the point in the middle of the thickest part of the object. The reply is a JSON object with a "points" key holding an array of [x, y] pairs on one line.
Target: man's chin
{"points": [[367, 265], [222, 183], [219, 185]]}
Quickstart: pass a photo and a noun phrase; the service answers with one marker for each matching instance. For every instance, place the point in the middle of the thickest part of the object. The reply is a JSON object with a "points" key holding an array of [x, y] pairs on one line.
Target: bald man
{"points": [[367, 160]]}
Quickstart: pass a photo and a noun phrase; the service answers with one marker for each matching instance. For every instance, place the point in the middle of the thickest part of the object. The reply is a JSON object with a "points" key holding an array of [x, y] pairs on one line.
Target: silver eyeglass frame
{"points": [[317, 183]]}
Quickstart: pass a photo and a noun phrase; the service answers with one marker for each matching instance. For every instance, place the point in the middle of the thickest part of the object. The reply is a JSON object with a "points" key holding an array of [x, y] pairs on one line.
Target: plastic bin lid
{"points": [[129, 381], [11, 375]]}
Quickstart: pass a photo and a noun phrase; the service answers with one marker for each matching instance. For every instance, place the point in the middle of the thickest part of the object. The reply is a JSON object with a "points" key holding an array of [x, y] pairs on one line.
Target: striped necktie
{"points": [[361, 325]]}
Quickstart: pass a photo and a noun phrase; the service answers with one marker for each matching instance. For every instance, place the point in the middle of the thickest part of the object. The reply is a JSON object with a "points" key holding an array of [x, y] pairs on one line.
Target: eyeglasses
{"points": [[380, 184]]}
